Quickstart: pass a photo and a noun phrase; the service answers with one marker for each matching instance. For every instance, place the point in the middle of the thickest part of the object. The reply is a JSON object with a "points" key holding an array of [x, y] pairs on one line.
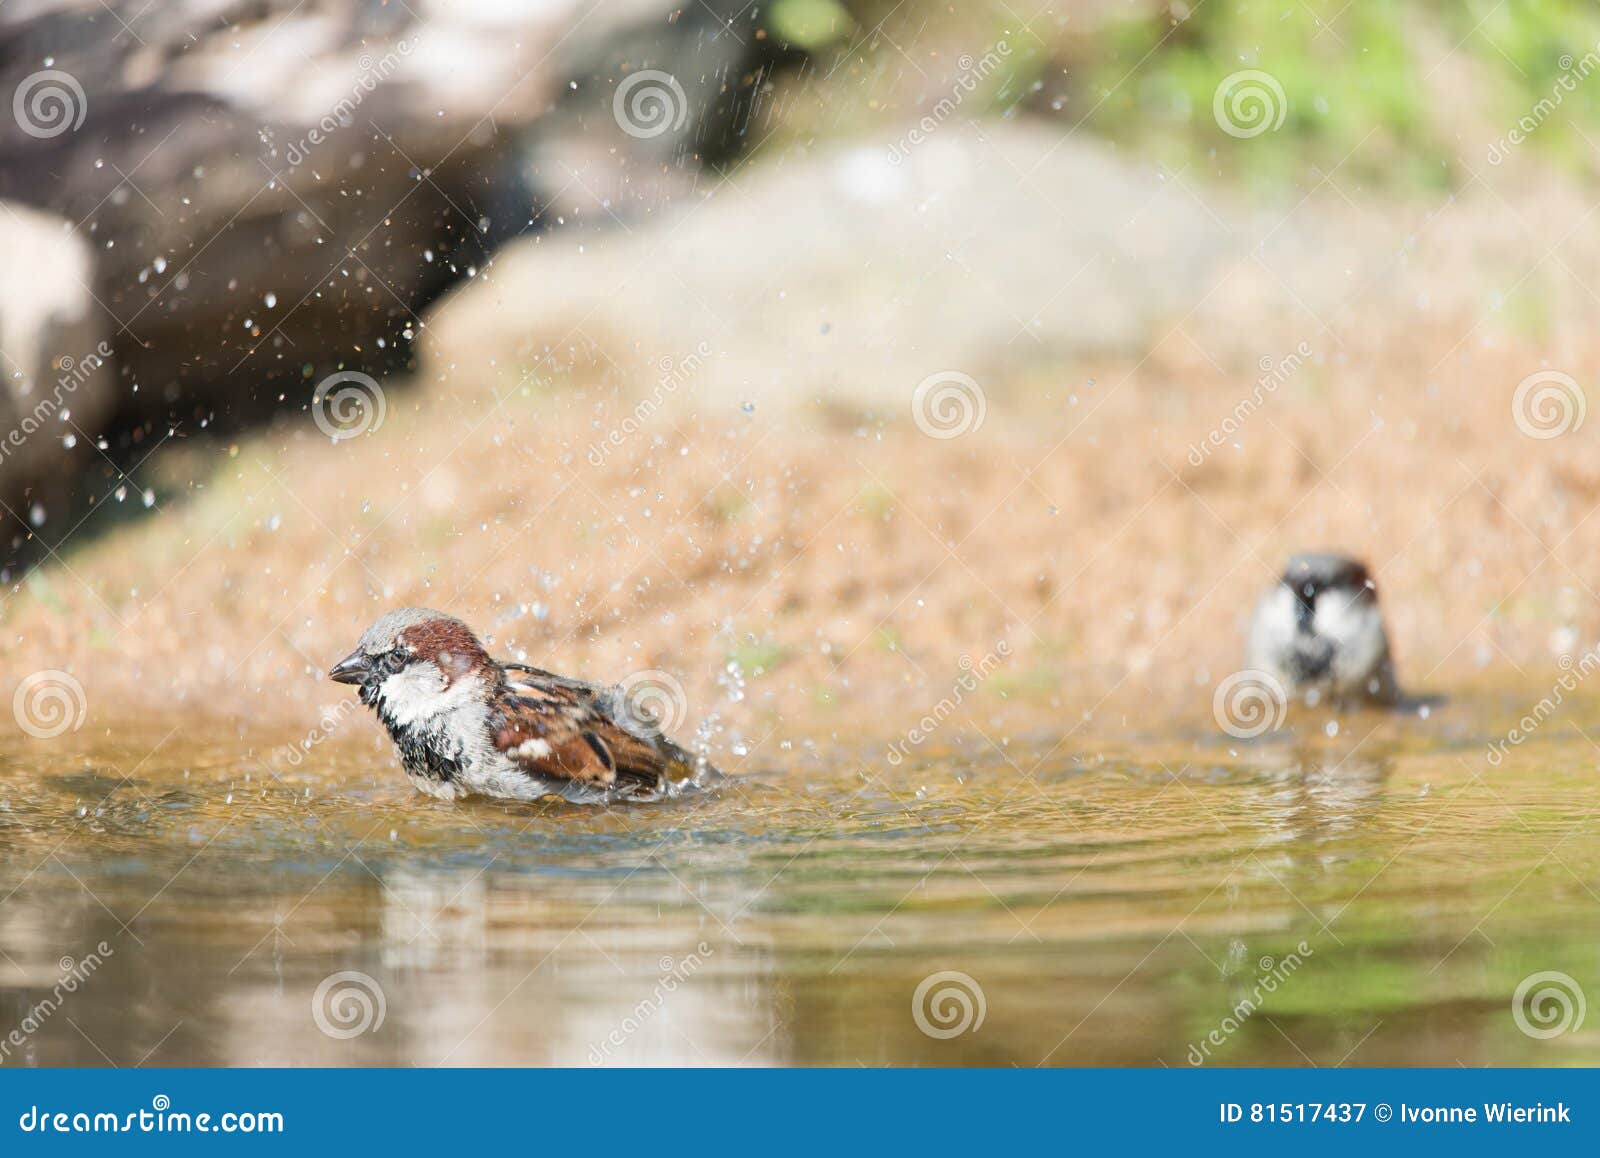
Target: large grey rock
{"points": [[856, 272]]}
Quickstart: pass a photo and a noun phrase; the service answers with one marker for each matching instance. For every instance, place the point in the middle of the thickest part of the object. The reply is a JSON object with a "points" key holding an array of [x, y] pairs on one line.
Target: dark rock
{"points": [[272, 191]]}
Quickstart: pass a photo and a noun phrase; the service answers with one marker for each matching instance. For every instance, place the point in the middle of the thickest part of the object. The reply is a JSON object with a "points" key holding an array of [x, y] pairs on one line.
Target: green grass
{"points": [[758, 657], [1393, 93]]}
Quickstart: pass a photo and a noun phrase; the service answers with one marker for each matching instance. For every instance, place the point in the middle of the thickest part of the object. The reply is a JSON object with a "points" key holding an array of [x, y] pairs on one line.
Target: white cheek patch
{"points": [[414, 694], [1276, 622], [1338, 615]]}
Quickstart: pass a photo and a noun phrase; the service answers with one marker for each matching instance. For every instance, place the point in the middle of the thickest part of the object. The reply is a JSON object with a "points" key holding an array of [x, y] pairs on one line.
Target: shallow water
{"points": [[1371, 898]]}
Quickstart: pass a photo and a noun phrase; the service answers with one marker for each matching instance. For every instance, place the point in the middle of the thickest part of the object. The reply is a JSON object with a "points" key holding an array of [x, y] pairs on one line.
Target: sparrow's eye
{"points": [[391, 661]]}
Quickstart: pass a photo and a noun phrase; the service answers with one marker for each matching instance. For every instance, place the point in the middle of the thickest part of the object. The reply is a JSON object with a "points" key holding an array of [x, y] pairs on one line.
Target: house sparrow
{"points": [[1320, 633], [466, 724]]}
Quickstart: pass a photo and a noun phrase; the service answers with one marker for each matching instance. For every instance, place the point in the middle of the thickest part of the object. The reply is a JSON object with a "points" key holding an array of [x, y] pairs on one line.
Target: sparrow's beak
{"points": [[352, 669]]}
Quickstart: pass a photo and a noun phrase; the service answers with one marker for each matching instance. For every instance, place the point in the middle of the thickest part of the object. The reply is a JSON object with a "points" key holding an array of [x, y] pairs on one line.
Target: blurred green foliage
{"points": [[1392, 92], [808, 24], [1398, 93]]}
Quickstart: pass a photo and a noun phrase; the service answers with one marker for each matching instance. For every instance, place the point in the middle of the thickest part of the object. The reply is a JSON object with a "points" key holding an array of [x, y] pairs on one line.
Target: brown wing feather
{"points": [[557, 727]]}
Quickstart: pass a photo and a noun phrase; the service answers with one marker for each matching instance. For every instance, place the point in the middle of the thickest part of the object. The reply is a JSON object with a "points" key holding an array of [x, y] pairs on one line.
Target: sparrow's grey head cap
{"points": [[383, 635], [1316, 571]]}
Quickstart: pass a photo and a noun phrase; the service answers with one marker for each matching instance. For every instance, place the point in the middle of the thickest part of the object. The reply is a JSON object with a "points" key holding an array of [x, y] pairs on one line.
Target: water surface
{"points": [[1371, 898]]}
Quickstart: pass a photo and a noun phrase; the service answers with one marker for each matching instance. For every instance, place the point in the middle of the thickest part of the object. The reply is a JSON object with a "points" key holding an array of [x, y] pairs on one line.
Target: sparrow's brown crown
{"points": [[411, 635]]}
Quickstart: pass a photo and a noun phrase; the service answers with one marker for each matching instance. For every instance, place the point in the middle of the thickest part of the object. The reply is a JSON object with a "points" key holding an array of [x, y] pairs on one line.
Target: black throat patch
{"points": [[424, 751]]}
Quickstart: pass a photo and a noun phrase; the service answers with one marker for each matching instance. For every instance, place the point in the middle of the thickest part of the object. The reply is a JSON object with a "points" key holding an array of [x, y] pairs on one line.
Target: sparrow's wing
{"points": [[563, 728], [515, 671]]}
